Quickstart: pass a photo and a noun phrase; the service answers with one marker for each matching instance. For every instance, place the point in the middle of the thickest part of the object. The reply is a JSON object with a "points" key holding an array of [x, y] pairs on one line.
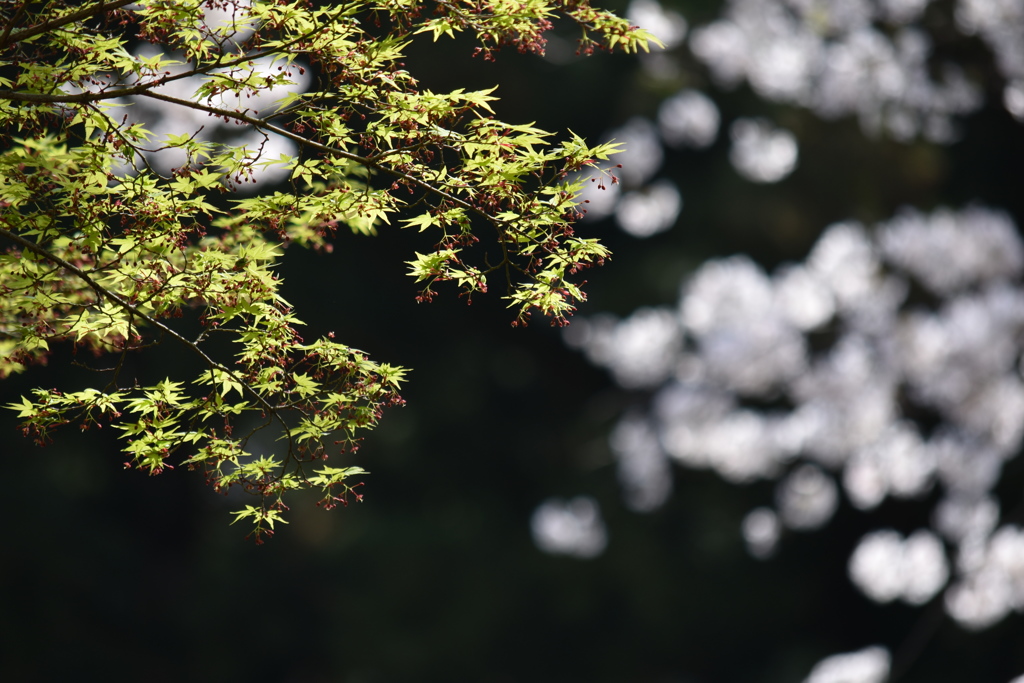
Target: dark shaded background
{"points": [[111, 575]]}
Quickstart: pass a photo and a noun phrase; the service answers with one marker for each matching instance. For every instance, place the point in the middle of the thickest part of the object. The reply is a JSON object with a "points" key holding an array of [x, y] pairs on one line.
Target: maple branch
{"points": [[105, 293], [263, 124]]}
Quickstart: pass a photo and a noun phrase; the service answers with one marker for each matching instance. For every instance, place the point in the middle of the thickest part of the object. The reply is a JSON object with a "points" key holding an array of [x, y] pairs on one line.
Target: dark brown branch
{"points": [[89, 96], [15, 18], [46, 26]]}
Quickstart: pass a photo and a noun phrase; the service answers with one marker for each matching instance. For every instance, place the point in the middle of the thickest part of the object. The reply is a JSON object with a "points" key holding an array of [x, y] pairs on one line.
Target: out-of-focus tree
{"points": [[884, 366]]}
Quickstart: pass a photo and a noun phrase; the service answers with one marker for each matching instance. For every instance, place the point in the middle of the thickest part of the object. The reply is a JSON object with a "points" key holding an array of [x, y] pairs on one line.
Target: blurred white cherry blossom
{"points": [[573, 527], [837, 58], [599, 195], [689, 118], [1000, 23], [641, 153], [640, 350], [667, 26], [870, 665], [653, 209], [975, 245], [887, 567], [806, 498], [840, 412], [761, 531], [1013, 99], [642, 466], [995, 585], [760, 152]]}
